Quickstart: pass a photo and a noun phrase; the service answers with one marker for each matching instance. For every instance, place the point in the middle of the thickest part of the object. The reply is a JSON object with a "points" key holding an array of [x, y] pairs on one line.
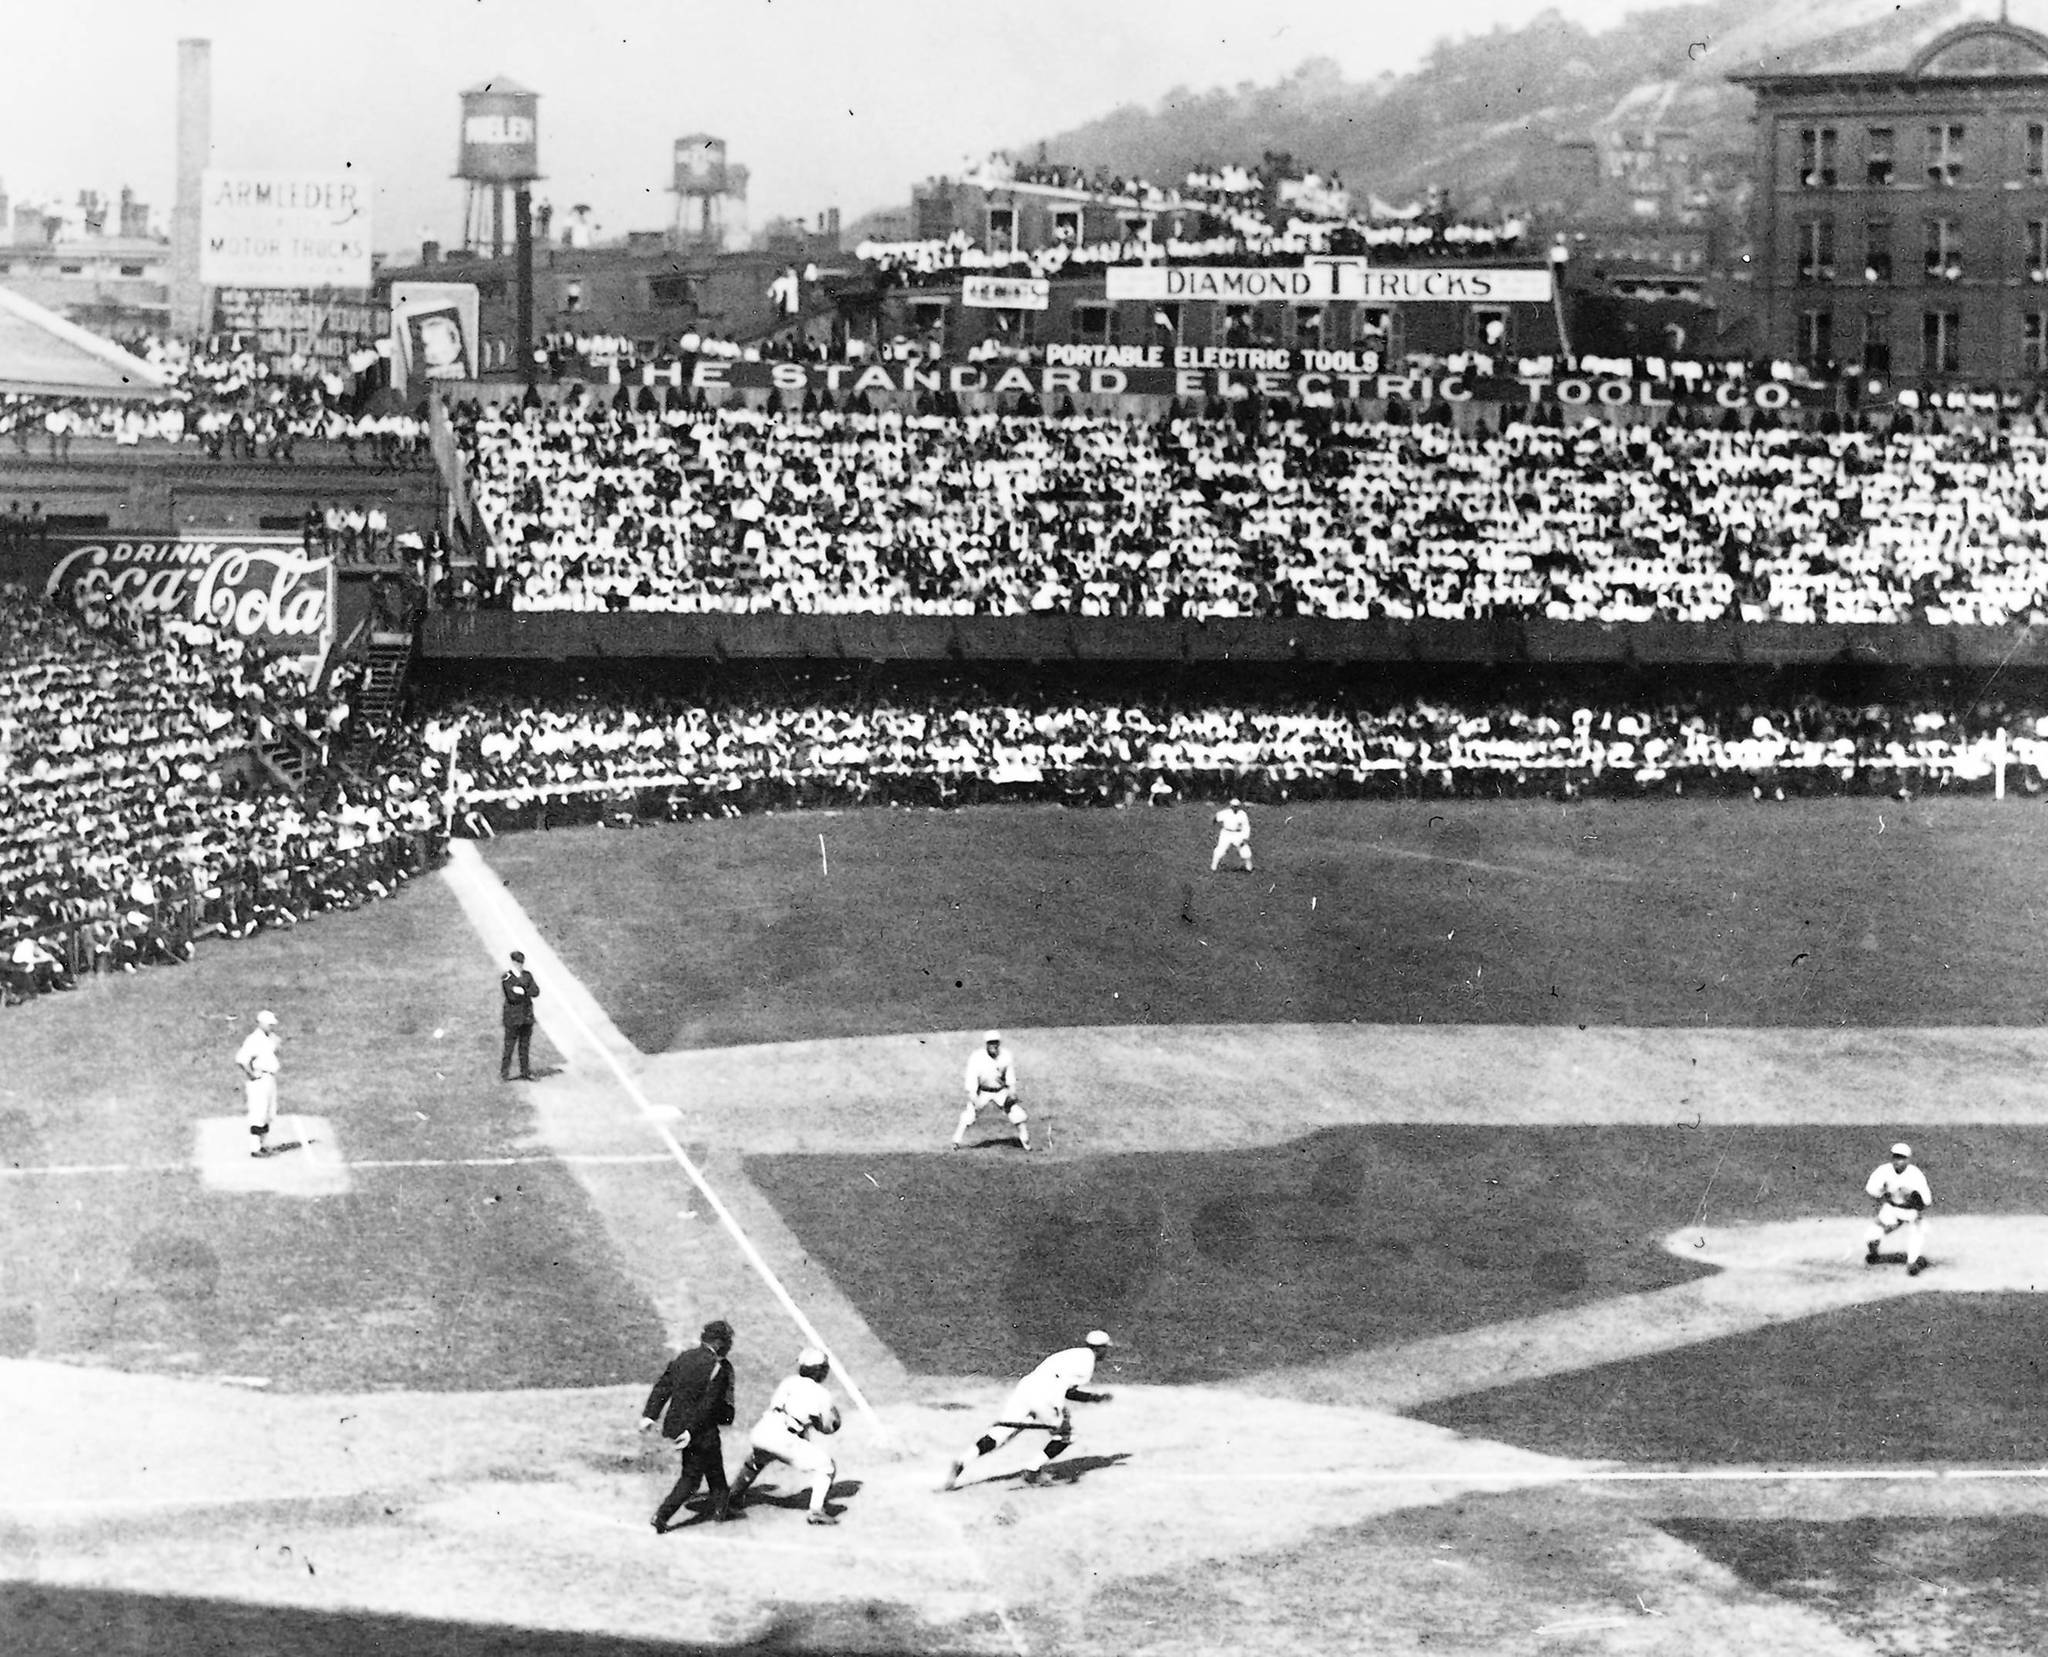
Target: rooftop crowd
{"points": [[598, 507], [129, 816]]}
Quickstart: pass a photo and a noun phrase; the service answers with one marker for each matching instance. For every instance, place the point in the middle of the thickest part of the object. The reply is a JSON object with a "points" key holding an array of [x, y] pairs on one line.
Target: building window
{"points": [[1817, 158], [1490, 329], [71, 270], [928, 317], [1944, 251], [1940, 342], [1817, 338], [2037, 250], [572, 296], [1308, 327], [1066, 224], [2037, 151], [1877, 343], [1945, 154], [133, 270], [1880, 157], [1817, 250], [2034, 342], [1092, 324], [1166, 318], [1877, 251], [1002, 229]]}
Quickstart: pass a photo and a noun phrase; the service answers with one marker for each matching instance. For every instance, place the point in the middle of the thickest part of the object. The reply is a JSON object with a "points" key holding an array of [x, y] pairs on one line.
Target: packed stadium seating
{"points": [[135, 818], [597, 508], [614, 753], [227, 403]]}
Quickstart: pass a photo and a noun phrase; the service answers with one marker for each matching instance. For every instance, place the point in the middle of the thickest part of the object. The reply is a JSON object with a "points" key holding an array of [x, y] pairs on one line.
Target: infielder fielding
{"points": [[798, 1407], [1902, 1203], [1233, 834], [256, 1058], [1038, 1403], [992, 1085]]}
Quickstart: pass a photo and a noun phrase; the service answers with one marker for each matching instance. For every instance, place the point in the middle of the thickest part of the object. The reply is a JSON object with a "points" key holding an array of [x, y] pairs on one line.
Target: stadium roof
{"points": [[43, 354]]}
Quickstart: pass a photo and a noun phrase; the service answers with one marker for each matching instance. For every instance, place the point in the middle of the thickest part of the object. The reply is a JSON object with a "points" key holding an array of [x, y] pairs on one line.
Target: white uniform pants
{"points": [[784, 1444], [260, 1096], [1892, 1220], [1226, 844]]}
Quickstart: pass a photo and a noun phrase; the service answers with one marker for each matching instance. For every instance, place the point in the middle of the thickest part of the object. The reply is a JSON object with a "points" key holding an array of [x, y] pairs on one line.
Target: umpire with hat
{"points": [[520, 992], [691, 1401]]}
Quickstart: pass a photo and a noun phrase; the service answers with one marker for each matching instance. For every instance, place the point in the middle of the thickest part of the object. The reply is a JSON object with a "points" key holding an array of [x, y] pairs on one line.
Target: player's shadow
{"points": [[541, 1072], [991, 1145], [1073, 1469], [797, 1498]]}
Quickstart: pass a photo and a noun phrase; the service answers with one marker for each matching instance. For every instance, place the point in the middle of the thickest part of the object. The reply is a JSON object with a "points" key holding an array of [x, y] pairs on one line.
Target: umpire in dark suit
{"points": [[520, 991], [691, 1401]]}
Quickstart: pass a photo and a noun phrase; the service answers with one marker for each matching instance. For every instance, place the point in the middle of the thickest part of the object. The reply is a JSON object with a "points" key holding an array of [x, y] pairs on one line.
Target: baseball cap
{"points": [[1097, 1338], [517, 956], [1902, 1149], [991, 1035], [266, 1017], [810, 1358], [716, 1330]]}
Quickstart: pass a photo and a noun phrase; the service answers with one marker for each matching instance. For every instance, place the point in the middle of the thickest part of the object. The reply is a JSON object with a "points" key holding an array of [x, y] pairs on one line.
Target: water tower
{"points": [[702, 182], [500, 152]]}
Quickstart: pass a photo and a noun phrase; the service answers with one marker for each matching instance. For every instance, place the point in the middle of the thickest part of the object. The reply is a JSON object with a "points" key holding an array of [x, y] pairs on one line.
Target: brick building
{"points": [[1901, 214]]}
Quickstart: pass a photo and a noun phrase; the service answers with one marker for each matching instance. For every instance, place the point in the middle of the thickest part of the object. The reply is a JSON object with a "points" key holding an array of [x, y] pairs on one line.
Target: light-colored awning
{"points": [[42, 353]]}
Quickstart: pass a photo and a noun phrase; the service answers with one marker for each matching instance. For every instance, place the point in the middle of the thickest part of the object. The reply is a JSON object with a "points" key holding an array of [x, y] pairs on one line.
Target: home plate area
{"points": [[305, 1157]]}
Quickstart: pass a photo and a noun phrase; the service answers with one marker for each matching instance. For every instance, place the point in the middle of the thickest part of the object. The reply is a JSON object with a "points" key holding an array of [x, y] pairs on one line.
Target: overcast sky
{"points": [[840, 103]]}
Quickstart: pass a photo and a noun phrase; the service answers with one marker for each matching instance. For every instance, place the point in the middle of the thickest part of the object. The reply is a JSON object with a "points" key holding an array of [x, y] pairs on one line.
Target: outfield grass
{"points": [[1664, 912], [1907, 1583], [442, 1277], [1224, 1264], [1948, 1378]]}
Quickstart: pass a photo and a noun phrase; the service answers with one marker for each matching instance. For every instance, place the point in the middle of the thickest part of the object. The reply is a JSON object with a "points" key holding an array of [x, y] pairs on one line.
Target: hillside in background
{"points": [[1485, 118]]}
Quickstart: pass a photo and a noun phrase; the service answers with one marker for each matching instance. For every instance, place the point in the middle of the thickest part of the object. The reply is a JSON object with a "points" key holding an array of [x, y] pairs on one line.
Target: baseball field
{"points": [[1474, 1193]]}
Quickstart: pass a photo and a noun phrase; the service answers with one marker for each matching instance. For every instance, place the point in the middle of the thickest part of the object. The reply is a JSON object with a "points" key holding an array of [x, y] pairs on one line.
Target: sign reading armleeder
{"points": [[284, 230]]}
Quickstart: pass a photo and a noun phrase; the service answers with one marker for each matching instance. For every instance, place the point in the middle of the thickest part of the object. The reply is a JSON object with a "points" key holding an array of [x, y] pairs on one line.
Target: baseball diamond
{"points": [[1448, 1293]]}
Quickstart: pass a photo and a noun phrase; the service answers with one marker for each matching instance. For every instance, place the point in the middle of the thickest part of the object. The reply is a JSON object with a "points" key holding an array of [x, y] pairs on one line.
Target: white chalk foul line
{"points": [[1621, 1475], [465, 862], [88, 1169]]}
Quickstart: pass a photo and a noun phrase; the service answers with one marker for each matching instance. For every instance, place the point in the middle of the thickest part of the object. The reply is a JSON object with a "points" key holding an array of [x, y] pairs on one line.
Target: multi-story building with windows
{"points": [[1901, 214]]}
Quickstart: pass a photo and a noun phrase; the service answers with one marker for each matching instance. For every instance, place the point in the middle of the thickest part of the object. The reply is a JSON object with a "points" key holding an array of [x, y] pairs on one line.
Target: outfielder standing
{"points": [[1038, 1403], [992, 1085], [799, 1406], [1233, 833], [256, 1058], [1902, 1203]]}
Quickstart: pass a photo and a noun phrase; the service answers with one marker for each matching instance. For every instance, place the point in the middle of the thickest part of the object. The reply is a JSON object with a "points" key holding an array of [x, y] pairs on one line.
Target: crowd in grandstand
{"points": [[835, 744], [132, 819], [595, 507], [227, 401]]}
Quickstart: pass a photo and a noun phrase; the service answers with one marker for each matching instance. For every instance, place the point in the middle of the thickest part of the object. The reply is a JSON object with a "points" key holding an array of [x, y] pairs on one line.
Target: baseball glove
{"points": [[1912, 1200]]}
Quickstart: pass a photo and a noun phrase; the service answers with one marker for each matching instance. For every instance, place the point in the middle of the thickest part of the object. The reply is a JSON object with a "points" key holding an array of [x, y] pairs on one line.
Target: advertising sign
{"points": [[284, 230], [433, 332], [270, 593], [292, 322], [1006, 293], [1379, 284]]}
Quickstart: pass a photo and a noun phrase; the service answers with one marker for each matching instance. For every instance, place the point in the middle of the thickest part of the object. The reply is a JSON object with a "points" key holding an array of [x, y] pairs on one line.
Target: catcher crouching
{"points": [[1902, 1203]]}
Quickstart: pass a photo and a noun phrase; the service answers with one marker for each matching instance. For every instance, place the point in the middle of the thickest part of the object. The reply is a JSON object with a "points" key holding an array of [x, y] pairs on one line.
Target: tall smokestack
{"points": [[195, 145]]}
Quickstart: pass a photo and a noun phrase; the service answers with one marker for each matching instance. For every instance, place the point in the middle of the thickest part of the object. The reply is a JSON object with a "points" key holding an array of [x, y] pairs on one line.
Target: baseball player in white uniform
{"points": [[798, 1407], [1902, 1203], [992, 1085], [1233, 833], [256, 1058], [1038, 1403]]}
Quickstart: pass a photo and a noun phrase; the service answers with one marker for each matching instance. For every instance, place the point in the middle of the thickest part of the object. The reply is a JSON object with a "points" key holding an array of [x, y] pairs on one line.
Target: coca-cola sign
{"points": [[271, 593]]}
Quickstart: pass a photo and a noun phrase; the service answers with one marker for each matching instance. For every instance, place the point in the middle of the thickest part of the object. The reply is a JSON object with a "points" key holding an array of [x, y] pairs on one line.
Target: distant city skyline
{"points": [[827, 103]]}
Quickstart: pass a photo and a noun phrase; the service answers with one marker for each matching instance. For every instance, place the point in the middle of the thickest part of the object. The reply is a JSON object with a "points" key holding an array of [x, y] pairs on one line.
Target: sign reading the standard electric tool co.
{"points": [[269, 593], [284, 230]]}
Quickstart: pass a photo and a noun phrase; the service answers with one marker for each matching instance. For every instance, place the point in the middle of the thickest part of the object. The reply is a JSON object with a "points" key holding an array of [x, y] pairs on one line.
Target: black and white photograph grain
{"points": [[956, 828]]}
